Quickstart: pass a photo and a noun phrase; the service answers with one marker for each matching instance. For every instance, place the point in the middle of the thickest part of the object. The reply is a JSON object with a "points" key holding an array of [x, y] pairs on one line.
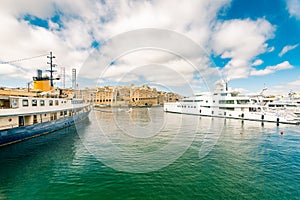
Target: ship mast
{"points": [[51, 67]]}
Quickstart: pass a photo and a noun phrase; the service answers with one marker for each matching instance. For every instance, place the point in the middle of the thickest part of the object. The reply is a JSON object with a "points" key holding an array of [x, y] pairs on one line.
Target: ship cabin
{"points": [[18, 111]]}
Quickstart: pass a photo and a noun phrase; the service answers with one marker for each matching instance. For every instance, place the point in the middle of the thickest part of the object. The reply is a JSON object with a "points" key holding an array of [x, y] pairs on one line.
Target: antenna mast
{"points": [[51, 67]]}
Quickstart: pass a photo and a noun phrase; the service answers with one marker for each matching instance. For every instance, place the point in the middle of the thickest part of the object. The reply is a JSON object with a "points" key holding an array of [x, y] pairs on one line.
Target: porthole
{"points": [[9, 119]]}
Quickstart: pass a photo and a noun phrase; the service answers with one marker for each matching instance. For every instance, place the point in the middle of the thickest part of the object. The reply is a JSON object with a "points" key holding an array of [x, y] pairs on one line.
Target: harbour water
{"points": [[149, 154]]}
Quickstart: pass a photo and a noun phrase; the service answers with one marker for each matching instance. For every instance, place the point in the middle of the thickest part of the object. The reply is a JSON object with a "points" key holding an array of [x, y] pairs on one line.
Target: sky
{"points": [[169, 44]]}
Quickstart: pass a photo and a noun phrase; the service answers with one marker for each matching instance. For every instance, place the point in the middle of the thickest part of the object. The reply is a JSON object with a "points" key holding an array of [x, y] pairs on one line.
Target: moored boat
{"points": [[26, 116], [229, 104]]}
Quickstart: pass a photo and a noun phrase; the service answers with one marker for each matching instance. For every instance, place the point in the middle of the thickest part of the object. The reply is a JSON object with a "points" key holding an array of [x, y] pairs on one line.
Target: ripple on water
{"points": [[243, 161]]}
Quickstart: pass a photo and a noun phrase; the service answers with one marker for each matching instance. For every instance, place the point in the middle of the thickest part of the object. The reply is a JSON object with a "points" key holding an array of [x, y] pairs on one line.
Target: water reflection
{"points": [[139, 141]]}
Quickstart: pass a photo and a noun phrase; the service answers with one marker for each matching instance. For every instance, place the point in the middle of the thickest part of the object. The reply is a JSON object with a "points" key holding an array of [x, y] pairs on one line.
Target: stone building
{"points": [[130, 95]]}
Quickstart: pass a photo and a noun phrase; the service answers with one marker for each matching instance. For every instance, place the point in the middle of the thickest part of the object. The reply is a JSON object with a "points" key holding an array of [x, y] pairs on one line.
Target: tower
{"points": [[63, 77], [74, 84]]}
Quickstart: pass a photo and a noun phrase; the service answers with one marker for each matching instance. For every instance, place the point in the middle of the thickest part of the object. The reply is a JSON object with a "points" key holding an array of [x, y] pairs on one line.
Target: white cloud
{"points": [[286, 88], [257, 62], [295, 84], [271, 69], [270, 49], [241, 41], [287, 48], [82, 22], [293, 7]]}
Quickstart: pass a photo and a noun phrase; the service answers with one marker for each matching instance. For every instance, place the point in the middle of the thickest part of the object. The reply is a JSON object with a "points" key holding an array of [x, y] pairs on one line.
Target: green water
{"points": [[243, 160]]}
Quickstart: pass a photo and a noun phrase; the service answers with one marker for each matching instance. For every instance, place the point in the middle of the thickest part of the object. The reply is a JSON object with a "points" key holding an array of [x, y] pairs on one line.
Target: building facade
{"points": [[130, 95]]}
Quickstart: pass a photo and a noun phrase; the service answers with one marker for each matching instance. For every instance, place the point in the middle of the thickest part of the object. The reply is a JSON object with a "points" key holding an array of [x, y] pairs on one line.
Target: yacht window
{"points": [[25, 102], [42, 102], [56, 102], [50, 102], [198, 100], [291, 105], [226, 102], [34, 102]]}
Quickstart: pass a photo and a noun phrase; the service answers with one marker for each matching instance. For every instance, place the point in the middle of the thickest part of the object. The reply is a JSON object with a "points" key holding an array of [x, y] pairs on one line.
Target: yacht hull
{"points": [[195, 109]]}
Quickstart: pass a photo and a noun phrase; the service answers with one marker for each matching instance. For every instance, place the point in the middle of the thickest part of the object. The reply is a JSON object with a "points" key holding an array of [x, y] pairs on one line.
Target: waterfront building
{"points": [[129, 95]]}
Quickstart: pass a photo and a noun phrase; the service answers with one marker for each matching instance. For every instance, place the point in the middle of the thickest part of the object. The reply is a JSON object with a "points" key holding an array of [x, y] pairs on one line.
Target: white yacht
{"points": [[228, 103]]}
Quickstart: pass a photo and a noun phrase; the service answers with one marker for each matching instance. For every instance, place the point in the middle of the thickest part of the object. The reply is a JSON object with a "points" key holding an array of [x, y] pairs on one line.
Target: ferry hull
{"points": [[19, 134]]}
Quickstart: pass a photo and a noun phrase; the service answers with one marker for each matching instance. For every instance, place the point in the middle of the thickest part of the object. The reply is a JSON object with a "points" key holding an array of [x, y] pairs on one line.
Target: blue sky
{"points": [[287, 34], [252, 42]]}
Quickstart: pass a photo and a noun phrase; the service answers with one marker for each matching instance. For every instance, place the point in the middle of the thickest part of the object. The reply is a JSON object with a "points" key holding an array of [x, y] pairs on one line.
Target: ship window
{"points": [[226, 102], [242, 101], [25, 102], [42, 102], [61, 113], [9, 119], [65, 112], [50, 102], [34, 102], [198, 100], [56, 102]]}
